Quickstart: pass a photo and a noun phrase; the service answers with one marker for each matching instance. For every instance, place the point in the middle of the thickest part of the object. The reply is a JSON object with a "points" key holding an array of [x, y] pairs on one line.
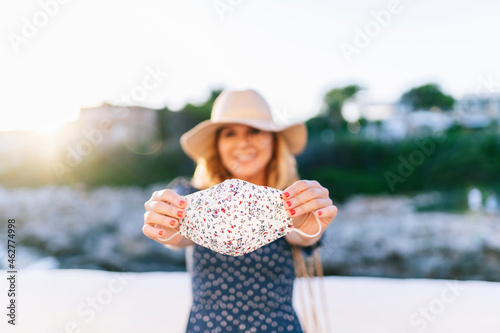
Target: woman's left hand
{"points": [[303, 200]]}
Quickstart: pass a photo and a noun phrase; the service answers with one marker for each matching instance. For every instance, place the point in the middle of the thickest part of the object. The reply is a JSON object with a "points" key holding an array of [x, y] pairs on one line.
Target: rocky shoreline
{"points": [[381, 236], [385, 236]]}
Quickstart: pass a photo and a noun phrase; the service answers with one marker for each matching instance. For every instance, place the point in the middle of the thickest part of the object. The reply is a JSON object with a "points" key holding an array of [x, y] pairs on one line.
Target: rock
{"points": [[381, 236]]}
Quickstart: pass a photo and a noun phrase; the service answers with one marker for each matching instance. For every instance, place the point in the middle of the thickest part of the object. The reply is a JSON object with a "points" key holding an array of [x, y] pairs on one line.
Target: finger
{"points": [[324, 216], [168, 236], [305, 196], [164, 208], [169, 196], [309, 206], [152, 218], [298, 187], [329, 213], [153, 232]]}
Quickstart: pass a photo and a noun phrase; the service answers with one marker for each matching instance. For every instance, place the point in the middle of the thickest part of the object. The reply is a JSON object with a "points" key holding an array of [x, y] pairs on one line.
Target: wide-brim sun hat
{"points": [[245, 107]]}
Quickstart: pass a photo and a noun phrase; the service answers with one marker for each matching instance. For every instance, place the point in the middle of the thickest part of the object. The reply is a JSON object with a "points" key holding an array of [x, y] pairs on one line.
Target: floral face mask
{"points": [[236, 217]]}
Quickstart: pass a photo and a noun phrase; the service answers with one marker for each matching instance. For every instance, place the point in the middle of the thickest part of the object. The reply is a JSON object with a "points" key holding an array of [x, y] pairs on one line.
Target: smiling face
{"points": [[245, 152]]}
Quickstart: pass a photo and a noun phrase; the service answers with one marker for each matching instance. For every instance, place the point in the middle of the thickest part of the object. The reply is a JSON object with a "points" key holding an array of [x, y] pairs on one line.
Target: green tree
{"points": [[334, 99], [202, 111], [426, 97]]}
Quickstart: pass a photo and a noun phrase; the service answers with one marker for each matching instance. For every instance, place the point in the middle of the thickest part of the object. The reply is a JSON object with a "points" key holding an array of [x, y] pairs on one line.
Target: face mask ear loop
{"points": [[169, 238], [306, 235]]}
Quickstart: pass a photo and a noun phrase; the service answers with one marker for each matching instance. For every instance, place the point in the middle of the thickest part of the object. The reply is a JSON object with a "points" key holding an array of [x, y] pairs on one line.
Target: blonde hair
{"points": [[281, 171]]}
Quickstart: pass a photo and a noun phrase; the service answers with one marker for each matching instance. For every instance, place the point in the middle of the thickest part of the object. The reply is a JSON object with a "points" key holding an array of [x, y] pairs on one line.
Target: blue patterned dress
{"points": [[249, 293]]}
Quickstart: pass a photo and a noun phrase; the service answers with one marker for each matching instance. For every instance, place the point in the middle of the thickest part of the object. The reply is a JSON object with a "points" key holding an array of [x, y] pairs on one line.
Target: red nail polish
{"points": [[292, 211], [289, 203], [182, 202], [286, 194], [161, 232], [179, 213], [172, 223]]}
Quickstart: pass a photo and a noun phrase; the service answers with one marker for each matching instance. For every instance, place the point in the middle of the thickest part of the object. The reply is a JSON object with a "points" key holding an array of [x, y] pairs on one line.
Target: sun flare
{"points": [[46, 120]]}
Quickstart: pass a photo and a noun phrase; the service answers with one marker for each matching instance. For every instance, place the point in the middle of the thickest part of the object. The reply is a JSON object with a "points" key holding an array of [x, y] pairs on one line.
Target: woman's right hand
{"points": [[163, 211]]}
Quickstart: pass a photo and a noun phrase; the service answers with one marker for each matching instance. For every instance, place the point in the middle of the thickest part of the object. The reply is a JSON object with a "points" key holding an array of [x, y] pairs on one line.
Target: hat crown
{"points": [[246, 107], [239, 105]]}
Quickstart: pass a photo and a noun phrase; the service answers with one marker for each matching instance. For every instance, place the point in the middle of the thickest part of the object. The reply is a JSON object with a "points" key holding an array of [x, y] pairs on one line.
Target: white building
{"points": [[397, 121], [476, 111], [488, 104], [119, 124]]}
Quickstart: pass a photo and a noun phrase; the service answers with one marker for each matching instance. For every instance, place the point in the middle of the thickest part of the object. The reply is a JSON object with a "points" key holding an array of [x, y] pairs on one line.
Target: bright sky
{"points": [[83, 53]]}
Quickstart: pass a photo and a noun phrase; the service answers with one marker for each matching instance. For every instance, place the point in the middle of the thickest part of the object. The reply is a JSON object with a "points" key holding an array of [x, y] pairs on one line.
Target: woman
{"points": [[253, 292]]}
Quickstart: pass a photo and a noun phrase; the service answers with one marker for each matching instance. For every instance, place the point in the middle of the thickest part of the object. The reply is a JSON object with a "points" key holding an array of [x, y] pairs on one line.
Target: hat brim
{"points": [[200, 139]]}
